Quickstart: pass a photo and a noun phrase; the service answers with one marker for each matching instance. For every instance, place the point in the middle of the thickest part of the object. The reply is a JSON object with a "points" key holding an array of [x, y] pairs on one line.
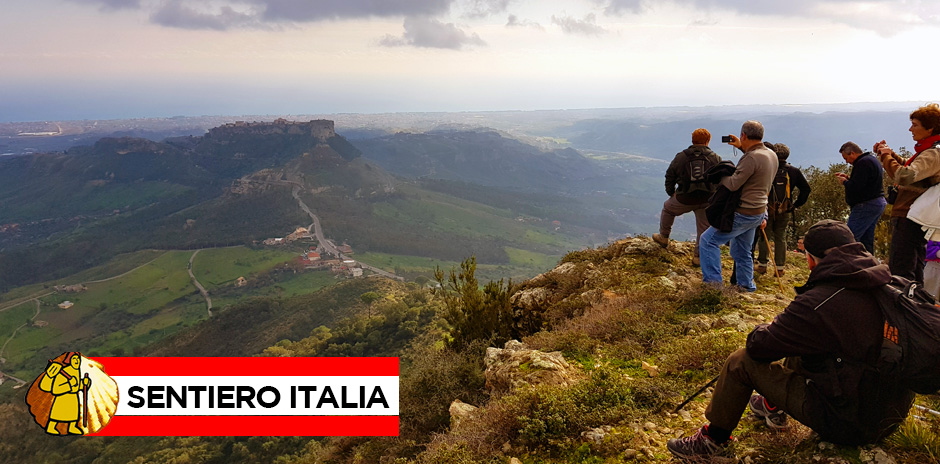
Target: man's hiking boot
{"points": [[696, 262], [761, 269], [775, 418], [698, 447], [780, 271], [662, 240]]}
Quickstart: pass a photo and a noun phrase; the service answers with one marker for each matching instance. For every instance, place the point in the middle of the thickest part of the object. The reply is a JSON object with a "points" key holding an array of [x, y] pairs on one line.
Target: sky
{"points": [[109, 59]]}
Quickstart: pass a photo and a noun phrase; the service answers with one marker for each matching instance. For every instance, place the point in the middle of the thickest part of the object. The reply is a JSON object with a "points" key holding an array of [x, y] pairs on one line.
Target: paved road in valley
{"points": [[202, 289], [327, 245]]}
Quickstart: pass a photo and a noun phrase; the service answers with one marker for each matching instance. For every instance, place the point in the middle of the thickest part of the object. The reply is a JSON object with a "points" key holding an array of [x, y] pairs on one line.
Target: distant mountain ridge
{"points": [[485, 158], [203, 163]]}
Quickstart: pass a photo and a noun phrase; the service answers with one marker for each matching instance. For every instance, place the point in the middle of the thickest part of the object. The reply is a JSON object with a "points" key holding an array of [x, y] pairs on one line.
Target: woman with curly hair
{"points": [[913, 176]]}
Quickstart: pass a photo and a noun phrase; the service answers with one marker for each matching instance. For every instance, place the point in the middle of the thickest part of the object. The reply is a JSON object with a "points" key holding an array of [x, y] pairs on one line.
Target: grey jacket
{"points": [[753, 176]]}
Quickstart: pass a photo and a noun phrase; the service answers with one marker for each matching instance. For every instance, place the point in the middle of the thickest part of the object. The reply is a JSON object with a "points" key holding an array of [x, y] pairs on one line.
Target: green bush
{"points": [[708, 300]]}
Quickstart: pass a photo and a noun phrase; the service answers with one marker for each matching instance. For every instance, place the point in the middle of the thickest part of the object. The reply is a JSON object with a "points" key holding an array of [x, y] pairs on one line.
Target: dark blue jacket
{"points": [[865, 183]]}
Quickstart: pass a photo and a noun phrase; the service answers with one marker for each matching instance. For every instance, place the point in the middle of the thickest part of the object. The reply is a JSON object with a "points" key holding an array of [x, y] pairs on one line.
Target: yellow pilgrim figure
{"points": [[66, 385]]}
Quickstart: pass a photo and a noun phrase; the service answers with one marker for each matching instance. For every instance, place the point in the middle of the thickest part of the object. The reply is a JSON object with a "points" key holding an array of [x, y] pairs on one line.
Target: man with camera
{"points": [[830, 333], [863, 193], [688, 188], [752, 177]]}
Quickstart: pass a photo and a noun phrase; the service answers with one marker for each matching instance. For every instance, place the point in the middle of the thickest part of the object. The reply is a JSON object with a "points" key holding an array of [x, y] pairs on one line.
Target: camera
{"points": [[725, 139]]}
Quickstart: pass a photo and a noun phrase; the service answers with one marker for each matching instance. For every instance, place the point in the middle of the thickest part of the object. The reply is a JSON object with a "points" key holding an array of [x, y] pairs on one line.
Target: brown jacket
{"points": [[912, 180]]}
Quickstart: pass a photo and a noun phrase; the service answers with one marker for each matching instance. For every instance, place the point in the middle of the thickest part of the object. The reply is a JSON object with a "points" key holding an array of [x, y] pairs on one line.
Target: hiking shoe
{"points": [[775, 418], [663, 241], [761, 269], [697, 447], [780, 271], [696, 262]]}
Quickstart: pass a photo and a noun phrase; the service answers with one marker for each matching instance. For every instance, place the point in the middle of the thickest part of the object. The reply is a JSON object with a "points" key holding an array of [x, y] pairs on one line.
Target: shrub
{"points": [[707, 351], [919, 438], [545, 417], [431, 379], [707, 300]]}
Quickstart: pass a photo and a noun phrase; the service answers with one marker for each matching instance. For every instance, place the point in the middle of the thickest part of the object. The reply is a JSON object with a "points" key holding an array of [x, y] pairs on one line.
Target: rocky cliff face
{"points": [[320, 128]]}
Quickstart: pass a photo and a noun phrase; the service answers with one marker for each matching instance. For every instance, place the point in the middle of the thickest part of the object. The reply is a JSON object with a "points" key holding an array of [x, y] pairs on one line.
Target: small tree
{"points": [[471, 313], [827, 201]]}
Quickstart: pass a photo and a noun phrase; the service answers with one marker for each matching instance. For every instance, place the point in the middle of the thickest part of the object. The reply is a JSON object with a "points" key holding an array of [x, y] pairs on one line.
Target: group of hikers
{"points": [[813, 362]]}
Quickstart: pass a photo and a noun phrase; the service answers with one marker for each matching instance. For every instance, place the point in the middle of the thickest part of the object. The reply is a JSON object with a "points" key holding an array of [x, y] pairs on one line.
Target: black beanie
{"points": [[826, 234]]}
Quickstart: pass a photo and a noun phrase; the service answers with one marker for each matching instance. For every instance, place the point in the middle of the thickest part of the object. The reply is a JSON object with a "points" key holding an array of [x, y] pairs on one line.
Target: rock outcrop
{"points": [[517, 365]]}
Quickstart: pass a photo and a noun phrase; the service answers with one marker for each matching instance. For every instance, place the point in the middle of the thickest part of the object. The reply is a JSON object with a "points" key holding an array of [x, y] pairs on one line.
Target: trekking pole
{"points": [[770, 255], [699, 392], [927, 410]]}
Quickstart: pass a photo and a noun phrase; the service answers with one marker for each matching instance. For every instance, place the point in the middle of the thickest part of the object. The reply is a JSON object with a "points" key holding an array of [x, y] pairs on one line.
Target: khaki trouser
{"points": [[742, 375], [673, 208]]}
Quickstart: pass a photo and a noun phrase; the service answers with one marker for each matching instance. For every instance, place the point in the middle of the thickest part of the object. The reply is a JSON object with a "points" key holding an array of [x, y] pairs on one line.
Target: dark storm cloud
{"points": [[306, 10], [431, 33], [176, 14], [586, 26]]}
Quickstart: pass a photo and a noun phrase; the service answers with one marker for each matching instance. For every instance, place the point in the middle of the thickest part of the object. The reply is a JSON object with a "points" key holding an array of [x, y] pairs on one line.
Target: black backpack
{"points": [[780, 191], [699, 164], [910, 351]]}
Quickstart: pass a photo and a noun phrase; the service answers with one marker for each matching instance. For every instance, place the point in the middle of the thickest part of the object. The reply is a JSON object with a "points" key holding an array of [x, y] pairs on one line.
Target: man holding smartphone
{"points": [[863, 192]]}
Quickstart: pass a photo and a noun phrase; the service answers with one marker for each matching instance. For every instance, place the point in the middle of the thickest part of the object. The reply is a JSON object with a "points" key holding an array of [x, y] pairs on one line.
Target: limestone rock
{"points": [[460, 411], [651, 369], [876, 456], [666, 284], [737, 321], [698, 323], [596, 435], [531, 298], [516, 365]]}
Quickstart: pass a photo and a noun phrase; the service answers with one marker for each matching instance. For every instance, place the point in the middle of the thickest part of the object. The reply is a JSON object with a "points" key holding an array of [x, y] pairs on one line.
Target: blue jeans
{"points": [[863, 218], [741, 238]]}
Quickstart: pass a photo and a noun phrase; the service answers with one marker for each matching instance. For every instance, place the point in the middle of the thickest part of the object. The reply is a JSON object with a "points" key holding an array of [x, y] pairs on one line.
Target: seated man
{"points": [[829, 333]]}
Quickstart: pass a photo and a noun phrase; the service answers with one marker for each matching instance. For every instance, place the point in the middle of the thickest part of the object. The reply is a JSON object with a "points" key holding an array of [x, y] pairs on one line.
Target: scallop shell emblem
{"points": [[72, 396]]}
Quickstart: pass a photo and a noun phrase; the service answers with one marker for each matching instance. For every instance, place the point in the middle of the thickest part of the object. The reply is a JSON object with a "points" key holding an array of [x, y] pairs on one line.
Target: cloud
{"points": [[109, 5], [176, 14], [586, 26], [431, 33], [513, 21], [883, 16], [307, 10], [484, 8], [620, 6]]}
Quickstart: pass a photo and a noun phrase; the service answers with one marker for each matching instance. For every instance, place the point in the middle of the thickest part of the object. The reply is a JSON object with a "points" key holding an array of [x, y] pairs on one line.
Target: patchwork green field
{"points": [[219, 267], [453, 215], [523, 264], [135, 300]]}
